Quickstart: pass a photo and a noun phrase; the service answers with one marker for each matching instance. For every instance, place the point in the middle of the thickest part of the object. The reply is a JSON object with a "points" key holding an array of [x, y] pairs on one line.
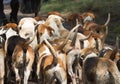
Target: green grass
{"points": [[66, 6]]}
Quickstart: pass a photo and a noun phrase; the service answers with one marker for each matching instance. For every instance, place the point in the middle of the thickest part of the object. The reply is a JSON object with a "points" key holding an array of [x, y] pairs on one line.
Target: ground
{"points": [[7, 11]]}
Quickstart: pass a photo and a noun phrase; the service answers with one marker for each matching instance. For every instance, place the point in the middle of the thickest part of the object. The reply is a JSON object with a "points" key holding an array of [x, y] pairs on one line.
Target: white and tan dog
{"points": [[55, 22], [50, 66], [27, 29], [22, 60], [44, 31], [12, 40]]}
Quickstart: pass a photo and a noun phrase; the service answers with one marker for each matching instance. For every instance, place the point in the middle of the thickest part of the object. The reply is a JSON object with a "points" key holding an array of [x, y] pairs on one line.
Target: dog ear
{"points": [[35, 21], [67, 38], [21, 23], [54, 13]]}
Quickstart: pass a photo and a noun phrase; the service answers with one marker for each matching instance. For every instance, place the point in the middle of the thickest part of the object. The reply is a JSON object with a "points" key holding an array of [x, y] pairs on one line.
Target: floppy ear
{"points": [[41, 28], [21, 23], [34, 21], [54, 13], [11, 25], [62, 20]]}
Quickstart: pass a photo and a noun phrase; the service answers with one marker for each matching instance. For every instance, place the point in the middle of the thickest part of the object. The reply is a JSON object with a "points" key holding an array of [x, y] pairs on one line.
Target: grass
{"points": [[66, 6]]}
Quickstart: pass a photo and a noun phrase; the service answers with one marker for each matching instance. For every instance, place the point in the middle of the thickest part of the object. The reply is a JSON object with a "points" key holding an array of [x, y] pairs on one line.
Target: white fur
{"points": [[26, 75], [90, 55], [10, 32], [41, 22], [16, 74], [2, 31], [71, 56], [88, 18], [26, 33], [46, 52], [27, 30], [60, 72], [44, 35], [55, 25], [62, 57], [26, 22]]}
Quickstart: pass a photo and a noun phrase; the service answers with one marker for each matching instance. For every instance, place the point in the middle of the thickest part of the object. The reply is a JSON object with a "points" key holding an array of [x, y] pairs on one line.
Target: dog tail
{"points": [[54, 54], [67, 38]]}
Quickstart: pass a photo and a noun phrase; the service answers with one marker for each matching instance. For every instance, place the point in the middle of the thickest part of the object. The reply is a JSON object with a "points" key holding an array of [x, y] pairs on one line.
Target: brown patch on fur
{"points": [[41, 47], [85, 14], [49, 60], [54, 13], [74, 16], [11, 25], [108, 53], [2, 27], [58, 42], [94, 35], [87, 51], [31, 54], [38, 18], [117, 56], [71, 19], [42, 27], [18, 52], [90, 26]]}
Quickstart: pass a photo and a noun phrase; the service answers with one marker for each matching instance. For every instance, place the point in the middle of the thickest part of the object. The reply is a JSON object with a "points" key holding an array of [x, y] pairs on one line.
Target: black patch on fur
{"points": [[76, 62], [89, 67], [22, 67], [12, 42], [42, 70], [53, 64], [2, 41], [97, 45], [69, 51], [102, 52], [82, 44], [118, 64]]}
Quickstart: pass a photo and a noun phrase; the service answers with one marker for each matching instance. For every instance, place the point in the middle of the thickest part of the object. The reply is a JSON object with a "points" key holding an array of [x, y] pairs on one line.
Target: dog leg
{"points": [[70, 70], [115, 72], [78, 74], [26, 75], [18, 79]]}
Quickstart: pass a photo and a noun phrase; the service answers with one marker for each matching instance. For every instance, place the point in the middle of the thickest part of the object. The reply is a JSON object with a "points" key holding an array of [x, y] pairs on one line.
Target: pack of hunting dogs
{"points": [[45, 50]]}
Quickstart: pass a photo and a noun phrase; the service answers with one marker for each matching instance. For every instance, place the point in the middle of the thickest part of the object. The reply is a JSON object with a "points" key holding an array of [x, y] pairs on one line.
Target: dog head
{"points": [[27, 27]]}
